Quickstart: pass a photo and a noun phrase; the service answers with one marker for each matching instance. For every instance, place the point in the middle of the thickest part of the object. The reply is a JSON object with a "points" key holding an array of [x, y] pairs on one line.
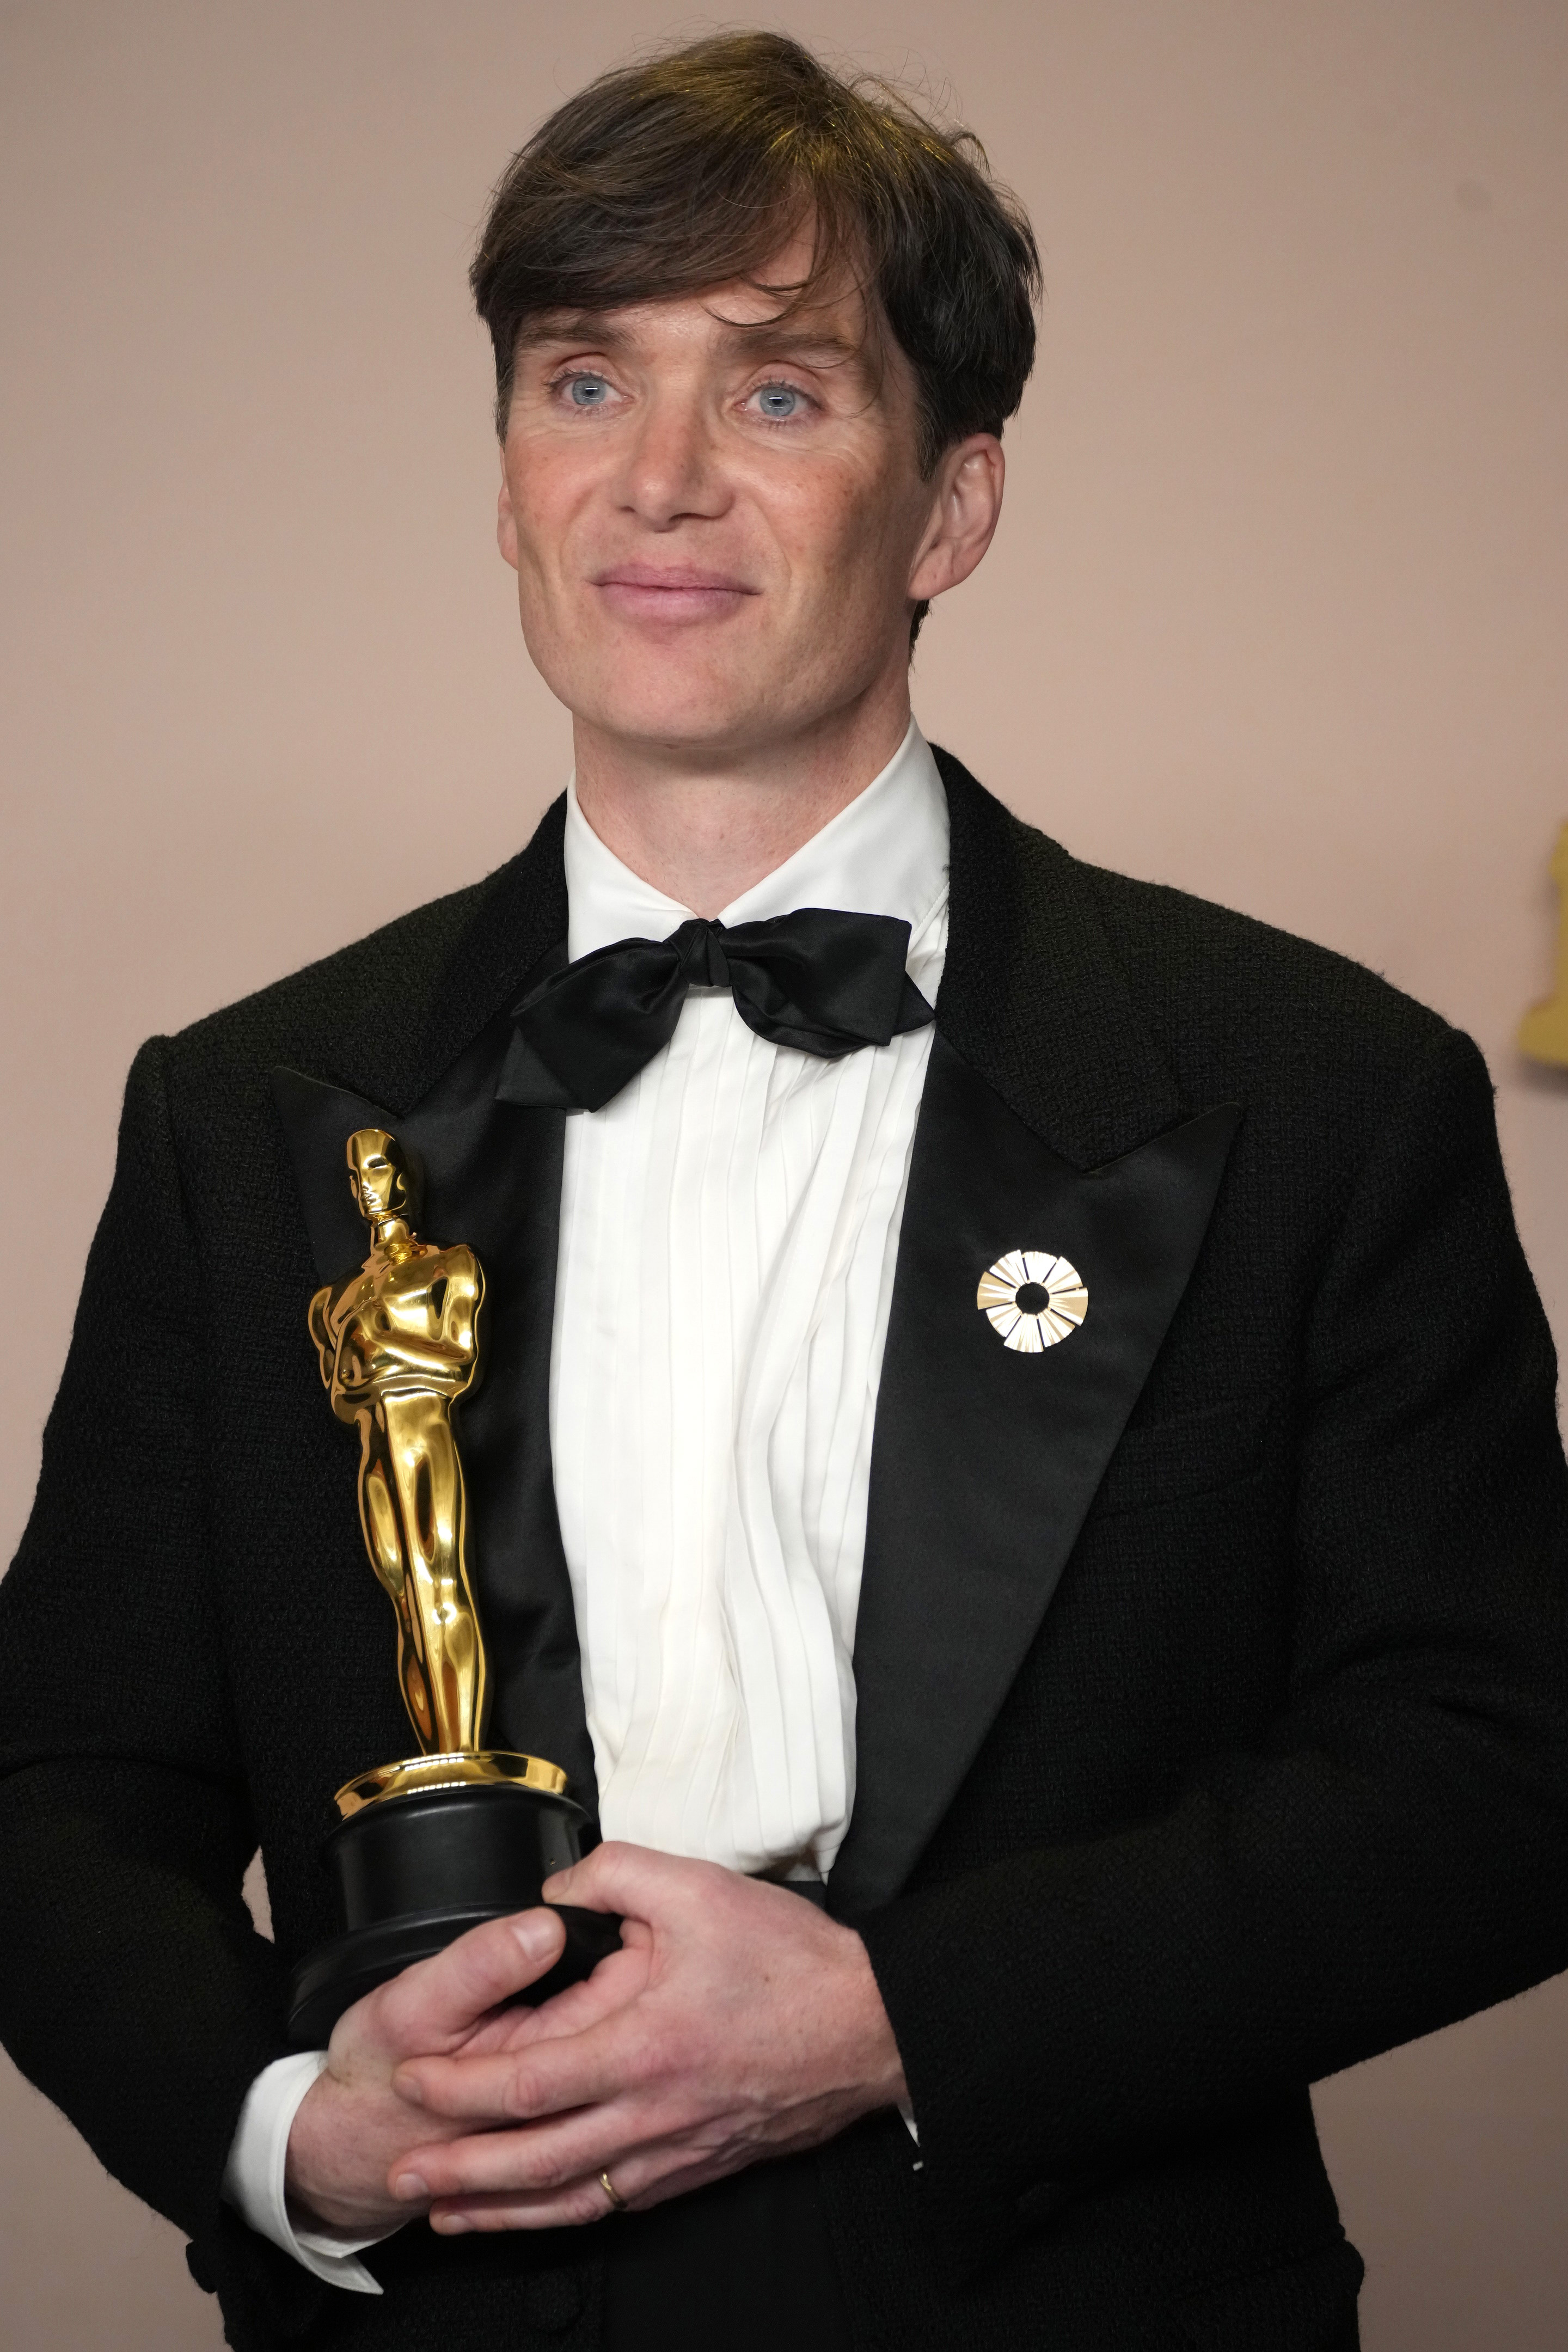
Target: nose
{"points": [[672, 465]]}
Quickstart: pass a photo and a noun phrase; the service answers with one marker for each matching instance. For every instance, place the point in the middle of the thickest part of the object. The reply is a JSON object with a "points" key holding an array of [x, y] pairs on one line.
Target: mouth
{"points": [[671, 592]]}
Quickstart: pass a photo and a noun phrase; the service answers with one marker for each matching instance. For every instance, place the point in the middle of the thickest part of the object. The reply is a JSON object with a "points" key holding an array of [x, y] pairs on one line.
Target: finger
{"points": [[634, 1880], [640, 2183], [615, 1981], [542, 2158], [584, 2202], [432, 2004], [546, 2077]]}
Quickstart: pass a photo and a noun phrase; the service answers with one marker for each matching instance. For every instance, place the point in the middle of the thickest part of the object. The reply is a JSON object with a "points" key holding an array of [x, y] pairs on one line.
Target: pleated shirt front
{"points": [[728, 1227]]}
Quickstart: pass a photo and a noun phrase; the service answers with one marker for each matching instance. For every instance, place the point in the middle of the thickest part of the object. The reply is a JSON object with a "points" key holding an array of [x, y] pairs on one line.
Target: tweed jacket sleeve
{"points": [[136, 1992], [1390, 1851]]}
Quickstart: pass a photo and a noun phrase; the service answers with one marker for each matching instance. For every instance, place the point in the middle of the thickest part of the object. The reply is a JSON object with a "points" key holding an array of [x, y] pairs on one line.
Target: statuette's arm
{"points": [[449, 1367]]}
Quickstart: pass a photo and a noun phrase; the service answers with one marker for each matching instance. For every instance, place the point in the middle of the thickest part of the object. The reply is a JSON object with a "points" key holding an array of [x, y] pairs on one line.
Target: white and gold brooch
{"points": [[1032, 1300]]}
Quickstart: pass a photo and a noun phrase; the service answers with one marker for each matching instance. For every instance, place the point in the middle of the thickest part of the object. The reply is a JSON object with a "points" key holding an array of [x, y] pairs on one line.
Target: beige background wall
{"points": [[1277, 612]]}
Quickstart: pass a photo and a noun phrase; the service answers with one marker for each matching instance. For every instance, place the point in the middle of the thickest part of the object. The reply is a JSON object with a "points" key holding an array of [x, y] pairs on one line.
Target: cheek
{"points": [[845, 540], [556, 626], [552, 631], [538, 551], [547, 487]]}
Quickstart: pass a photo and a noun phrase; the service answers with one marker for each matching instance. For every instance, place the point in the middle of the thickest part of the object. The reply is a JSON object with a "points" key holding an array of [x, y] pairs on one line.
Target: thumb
{"points": [[434, 2004], [636, 1881]]}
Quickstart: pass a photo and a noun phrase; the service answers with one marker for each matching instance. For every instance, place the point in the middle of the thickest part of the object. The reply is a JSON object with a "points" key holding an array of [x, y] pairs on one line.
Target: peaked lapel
{"points": [[406, 1027], [1049, 1123], [491, 1175]]}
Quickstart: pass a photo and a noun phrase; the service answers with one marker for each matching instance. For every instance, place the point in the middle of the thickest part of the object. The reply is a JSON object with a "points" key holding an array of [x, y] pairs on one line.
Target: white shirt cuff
{"points": [[253, 2177]]}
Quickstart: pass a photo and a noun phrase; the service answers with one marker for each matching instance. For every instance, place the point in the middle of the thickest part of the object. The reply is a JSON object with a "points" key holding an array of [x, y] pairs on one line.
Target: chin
{"points": [[692, 724], [651, 696]]}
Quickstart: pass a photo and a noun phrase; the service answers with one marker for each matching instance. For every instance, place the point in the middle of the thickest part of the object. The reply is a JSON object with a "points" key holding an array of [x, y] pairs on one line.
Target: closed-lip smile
{"points": [[671, 592]]}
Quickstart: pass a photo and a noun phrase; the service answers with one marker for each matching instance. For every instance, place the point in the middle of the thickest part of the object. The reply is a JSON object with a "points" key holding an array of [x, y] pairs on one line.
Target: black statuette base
{"points": [[415, 1872]]}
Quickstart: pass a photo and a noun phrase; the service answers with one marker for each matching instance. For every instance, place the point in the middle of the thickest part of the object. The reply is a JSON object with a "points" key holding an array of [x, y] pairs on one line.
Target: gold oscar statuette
{"points": [[429, 1845], [1543, 1032]]}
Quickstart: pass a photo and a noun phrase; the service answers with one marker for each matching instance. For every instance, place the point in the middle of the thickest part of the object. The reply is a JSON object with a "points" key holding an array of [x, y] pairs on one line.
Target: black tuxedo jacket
{"points": [[1212, 1706]]}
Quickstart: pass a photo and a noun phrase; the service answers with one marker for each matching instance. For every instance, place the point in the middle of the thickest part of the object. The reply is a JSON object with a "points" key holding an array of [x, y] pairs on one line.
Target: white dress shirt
{"points": [[728, 1227]]}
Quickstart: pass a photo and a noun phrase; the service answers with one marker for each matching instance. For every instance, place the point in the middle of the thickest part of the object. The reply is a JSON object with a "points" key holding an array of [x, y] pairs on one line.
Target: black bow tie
{"points": [[825, 982]]}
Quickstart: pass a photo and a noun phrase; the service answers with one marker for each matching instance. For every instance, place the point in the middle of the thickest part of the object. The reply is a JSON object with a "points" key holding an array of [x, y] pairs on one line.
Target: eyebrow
{"points": [[779, 337]]}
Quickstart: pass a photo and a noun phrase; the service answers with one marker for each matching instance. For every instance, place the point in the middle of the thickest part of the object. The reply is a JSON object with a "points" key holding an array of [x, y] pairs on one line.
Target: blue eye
{"points": [[779, 402], [588, 392]]}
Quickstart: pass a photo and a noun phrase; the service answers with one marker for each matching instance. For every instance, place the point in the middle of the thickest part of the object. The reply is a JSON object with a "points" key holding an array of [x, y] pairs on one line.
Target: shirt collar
{"points": [[886, 854]]}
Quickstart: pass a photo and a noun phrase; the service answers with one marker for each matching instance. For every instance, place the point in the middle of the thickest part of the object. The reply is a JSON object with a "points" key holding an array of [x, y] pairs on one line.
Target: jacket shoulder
{"points": [[307, 1011], [1220, 985], [1227, 999]]}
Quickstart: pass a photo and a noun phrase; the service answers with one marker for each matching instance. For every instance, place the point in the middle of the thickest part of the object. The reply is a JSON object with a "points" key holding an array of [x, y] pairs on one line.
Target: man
{"points": [[1070, 1490]]}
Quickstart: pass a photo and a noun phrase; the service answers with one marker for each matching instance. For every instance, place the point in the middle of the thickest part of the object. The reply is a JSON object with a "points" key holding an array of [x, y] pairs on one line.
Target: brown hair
{"points": [[690, 170]]}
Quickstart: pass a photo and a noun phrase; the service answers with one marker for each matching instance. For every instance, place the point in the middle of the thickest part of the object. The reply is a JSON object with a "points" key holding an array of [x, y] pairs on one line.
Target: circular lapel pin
{"points": [[1032, 1300]]}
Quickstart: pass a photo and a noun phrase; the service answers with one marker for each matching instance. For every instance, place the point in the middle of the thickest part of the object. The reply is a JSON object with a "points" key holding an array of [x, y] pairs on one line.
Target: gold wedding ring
{"points": [[617, 2202]]}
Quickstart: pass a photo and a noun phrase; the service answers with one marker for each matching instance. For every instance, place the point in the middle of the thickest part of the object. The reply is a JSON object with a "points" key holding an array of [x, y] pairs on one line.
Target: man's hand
{"points": [[739, 2023], [352, 2130]]}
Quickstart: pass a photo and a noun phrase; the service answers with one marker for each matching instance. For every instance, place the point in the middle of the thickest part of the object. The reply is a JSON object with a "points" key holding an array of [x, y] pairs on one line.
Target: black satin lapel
{"points": [[1032, 994], [407, 1015], [318, 1120], [986, 1460], [491, 1178]]}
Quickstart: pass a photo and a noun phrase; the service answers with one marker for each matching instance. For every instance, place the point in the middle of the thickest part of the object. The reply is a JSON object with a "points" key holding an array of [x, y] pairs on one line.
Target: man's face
{"points": [[714, 513]]}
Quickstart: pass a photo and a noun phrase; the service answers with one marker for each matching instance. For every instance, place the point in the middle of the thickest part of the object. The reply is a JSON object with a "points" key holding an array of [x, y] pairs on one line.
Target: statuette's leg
{"points": [[423, 1458], [382, 1524]]}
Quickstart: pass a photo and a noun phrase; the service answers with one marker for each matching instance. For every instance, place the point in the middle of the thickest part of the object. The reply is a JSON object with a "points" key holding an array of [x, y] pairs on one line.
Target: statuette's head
{"points": [[378, 1175]]}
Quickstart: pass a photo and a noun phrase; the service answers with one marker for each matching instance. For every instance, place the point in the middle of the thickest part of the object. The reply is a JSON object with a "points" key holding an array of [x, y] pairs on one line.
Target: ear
{"points": [[966, 504], [506, 518]]}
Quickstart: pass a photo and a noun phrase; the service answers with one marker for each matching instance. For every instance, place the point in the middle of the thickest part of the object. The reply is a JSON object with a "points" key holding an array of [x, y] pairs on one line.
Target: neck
{"points": [[703, 826]]}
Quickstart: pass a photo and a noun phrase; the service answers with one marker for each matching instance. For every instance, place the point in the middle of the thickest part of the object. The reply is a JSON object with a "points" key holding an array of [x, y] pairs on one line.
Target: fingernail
{"points": [[409, 2186], [451, 2225], [535, 1932]]}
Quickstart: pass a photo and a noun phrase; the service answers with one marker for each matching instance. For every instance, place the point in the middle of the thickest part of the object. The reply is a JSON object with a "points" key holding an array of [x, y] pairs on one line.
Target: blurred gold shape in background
{"points": [[1543, 1032]]}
